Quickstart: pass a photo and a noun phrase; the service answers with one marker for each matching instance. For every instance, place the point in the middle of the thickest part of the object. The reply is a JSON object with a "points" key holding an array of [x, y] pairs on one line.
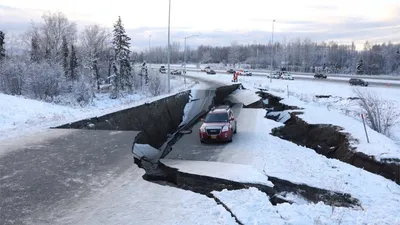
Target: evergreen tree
{"points": [[2, 49], [35, 55], [122, 66], [65, 54], [73, 63], [359, 68]]}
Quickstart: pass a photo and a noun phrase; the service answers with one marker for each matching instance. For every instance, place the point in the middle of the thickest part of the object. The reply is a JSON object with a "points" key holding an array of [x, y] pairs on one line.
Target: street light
{"points": [[149, 52], [184, 57], [272, 56], [169, 47]]}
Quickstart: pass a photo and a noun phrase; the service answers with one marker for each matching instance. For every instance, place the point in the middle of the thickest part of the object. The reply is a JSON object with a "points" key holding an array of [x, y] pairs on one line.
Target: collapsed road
{"points": [[325, 139], [186, 146], [55, 169]]}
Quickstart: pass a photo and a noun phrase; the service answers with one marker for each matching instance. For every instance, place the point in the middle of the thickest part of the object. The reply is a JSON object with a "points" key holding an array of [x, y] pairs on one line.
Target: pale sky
{"points": [[221, 21]]}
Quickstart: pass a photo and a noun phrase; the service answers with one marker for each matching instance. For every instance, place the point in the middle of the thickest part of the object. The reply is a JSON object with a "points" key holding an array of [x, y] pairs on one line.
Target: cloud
{"points": [[218, 26]]}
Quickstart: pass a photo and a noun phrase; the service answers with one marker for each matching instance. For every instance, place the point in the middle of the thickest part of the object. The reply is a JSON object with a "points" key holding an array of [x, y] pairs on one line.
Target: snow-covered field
{"points": [[21, 116]]}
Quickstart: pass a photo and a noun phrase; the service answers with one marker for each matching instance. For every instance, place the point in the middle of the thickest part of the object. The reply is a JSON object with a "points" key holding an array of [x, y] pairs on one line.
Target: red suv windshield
{"points": [[216, 118]]}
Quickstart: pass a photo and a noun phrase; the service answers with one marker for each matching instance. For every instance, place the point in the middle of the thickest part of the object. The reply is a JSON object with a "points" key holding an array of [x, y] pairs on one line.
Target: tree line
{"points": [[299, 55], [58, 60]]}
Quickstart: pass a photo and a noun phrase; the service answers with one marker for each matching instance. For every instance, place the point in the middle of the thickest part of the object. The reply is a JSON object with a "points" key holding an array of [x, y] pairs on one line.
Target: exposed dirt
{"points": [[330, 141], [155, 120], [323, 96]]}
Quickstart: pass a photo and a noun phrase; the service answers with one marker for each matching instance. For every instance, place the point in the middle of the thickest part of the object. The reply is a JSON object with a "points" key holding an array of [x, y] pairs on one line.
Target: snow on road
{"points": [[21, 116], [227, 171], [252, 206], [130, 200]]}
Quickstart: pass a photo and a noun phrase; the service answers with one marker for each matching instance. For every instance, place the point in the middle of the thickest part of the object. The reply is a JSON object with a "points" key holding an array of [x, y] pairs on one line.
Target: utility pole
{"points": [[184, 63], [149, 56], [272, 55], [169, 47]]}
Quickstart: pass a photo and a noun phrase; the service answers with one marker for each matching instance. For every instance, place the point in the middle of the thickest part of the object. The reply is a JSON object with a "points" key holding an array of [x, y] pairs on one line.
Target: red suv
{"points": [[218, 125]]}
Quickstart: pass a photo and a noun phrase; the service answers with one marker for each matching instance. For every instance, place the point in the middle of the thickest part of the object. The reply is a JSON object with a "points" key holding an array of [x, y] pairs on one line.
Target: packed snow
{"points": [[252, 206], [246, 97], [227, 171]]}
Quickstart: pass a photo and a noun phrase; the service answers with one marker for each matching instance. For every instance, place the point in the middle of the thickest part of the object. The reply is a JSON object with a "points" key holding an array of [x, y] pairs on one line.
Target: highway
{"points": [[338, 80], [263, 72], [190, 148]]}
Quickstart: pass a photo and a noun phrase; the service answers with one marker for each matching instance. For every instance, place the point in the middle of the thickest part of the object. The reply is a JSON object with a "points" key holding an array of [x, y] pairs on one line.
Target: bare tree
{"points": [[2, 49], [96, 45], [49, 35], [234, 53], [156, 84], [380, 114]]}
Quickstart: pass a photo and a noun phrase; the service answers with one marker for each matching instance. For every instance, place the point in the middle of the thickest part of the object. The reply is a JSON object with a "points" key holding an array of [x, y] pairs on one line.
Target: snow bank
{"points": [[227, 171], [380, 146], [246, 97], [252, 206]]}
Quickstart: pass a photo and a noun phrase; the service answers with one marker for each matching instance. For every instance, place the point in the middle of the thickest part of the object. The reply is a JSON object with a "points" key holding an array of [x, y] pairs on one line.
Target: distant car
{"points": [[358, 82], [210, 72], [275, 75], [176, 72], [286, 76], [246, 73], [205, 69], [218, 125], [320, 76], [162, 69], [231, 71]]}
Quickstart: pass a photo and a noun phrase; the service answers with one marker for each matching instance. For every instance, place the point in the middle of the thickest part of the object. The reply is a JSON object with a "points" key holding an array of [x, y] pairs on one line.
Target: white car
{"points": [[246, 73], [275, 75], [287, 76]]}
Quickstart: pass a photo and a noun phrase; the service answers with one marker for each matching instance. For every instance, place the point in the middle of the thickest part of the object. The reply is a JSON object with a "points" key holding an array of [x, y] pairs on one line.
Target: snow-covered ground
{"points": [[21, 116], [380, 197], [338, 110]]}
